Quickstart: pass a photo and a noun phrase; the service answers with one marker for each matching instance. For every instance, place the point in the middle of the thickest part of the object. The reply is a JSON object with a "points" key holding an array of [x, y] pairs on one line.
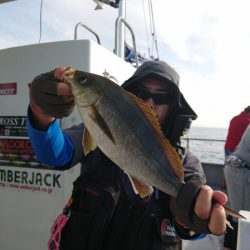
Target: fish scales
{"points": [[131, 141]]}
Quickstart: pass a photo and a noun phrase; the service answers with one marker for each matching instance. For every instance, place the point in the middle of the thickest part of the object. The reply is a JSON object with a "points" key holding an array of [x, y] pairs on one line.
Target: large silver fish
{"points": [[127, 131]]}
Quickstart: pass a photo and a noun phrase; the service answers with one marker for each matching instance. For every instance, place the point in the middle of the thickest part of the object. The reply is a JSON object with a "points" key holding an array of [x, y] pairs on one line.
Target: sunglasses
{"points": [[158, 98]]}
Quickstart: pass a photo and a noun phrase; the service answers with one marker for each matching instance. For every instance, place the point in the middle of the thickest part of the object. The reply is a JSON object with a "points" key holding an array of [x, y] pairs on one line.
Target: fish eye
{"points": [[82, 79]]}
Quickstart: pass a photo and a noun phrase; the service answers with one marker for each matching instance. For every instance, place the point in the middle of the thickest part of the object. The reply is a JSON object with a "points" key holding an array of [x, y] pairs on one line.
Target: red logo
{"points": [[8, 88], [164, 224], [167, 230]]}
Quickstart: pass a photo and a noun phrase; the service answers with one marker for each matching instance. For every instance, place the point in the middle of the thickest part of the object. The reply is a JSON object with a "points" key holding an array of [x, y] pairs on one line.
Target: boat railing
{"points": [[214, 170], [87, 28], [117, 22], [187, 139]]}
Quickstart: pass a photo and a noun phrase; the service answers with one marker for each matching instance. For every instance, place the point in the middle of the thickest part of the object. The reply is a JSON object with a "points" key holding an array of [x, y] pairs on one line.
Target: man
{"points": [[121, 219], [237, 175], [237, 126]]}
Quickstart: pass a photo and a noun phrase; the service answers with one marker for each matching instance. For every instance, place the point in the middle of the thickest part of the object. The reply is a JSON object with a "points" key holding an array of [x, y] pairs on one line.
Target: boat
{"points": [[26, 186], [215, 178]]}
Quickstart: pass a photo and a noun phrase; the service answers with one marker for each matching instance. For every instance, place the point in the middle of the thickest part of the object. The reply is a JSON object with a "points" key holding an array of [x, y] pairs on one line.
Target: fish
{"points": [[126, 129], [116, 123]]}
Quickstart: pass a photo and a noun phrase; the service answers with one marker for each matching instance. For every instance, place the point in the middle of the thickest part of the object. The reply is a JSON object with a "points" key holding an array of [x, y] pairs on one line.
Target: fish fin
{"points": [[100, 122], [88, 142], [139, 188], [170, 152]]}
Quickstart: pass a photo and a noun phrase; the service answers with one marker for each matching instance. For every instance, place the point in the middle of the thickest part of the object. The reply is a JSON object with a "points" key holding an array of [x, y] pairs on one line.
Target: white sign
{"points": [[31, 180]]}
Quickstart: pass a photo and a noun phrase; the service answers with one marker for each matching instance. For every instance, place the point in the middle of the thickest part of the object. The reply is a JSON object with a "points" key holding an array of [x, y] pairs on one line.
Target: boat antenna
{"points": [[40, 27], [121, 29], [152, 26], [144, 13]]}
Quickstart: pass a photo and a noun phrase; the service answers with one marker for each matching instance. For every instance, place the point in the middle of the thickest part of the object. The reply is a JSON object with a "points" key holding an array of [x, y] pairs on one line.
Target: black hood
{"points": [[162, 71]]}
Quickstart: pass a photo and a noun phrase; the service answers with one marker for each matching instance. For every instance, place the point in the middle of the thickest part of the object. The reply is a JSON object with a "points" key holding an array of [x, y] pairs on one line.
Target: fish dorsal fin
{"points": [[88, 142], [170, 152], [139, 188], [100, 122]]}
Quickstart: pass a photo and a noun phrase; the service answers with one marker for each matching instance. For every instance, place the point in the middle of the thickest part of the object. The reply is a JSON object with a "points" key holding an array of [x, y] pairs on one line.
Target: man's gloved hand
{"points": [[195, 209], [52, 96]]}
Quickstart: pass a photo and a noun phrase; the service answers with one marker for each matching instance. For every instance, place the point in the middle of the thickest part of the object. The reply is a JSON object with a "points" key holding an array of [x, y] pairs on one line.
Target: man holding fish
{"points": [[139, 189]]}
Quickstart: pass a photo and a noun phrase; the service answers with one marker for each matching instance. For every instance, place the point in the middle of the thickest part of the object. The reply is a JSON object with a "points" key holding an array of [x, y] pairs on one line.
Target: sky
{"points": [[207, 42]]}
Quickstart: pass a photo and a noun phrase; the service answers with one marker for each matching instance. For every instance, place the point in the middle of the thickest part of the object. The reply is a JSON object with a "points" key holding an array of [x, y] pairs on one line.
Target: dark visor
{"points": [[158, 97]]}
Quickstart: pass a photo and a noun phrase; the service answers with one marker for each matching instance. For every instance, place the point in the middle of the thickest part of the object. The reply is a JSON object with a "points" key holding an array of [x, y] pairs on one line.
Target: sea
{"points": [[206, 143]]}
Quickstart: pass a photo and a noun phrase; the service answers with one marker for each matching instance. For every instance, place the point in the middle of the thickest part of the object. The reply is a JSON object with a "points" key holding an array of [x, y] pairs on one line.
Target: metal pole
{"points": [[87, 28], [121, 30], [117, 22]]}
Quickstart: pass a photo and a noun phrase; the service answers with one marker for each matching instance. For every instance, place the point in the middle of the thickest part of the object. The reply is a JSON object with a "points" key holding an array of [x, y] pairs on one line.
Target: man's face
{"points": [[154, 86]]}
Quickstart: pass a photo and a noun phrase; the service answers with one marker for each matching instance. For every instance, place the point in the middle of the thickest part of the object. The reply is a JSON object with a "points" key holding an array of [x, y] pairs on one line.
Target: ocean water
{"points": [[207, 143]]}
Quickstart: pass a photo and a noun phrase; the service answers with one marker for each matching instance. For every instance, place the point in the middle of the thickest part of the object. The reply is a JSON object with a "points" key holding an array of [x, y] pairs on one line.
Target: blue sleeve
{"points": [[52, 147]]}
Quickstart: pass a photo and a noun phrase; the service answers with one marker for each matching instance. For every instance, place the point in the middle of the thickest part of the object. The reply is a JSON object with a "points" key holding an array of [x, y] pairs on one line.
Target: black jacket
{"points": [[106, 213]]}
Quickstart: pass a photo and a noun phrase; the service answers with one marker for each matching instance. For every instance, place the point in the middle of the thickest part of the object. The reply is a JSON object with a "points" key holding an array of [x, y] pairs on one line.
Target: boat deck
{"points": [[215, 179]]}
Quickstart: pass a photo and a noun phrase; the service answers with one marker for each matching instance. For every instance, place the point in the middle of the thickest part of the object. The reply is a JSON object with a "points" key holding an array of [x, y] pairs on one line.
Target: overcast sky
{"points": [[207, 42]]}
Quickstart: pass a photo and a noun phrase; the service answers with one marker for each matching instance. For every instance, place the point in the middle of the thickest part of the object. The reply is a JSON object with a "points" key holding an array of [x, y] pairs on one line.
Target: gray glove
{"points": [[183, 207], [43, 92]]}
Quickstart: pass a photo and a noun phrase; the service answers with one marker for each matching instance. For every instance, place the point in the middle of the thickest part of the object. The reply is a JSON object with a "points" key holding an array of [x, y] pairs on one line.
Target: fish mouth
{"points": [[68, 74], [74, 77]]}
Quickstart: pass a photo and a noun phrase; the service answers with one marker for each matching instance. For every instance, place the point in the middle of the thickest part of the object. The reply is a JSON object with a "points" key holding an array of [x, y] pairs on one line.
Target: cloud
{"points": [[207, 42]]}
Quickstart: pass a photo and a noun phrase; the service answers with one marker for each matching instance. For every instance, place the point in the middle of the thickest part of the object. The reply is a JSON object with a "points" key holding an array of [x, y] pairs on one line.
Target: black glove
{"points": [[183, 207], [43, 92]]}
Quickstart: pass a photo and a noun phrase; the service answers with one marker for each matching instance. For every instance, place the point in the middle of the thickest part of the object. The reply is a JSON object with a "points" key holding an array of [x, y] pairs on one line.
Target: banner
{"points": [[32, 180]]}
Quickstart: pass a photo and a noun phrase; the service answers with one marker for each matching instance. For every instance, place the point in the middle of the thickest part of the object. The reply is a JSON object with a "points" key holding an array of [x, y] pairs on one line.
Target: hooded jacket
{"points": [[182, 114]]}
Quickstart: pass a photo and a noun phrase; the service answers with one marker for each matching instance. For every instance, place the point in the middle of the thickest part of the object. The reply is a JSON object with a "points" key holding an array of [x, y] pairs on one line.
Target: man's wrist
{"points": [[186, 233], [39, 120], [183, 229]]}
